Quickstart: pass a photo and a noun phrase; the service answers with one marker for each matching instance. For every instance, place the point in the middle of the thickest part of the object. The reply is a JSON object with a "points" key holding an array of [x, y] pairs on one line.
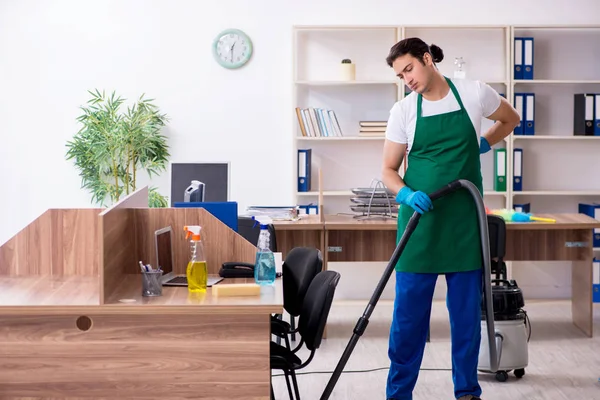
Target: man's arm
{"points": [[393, 155], [507, 119]]}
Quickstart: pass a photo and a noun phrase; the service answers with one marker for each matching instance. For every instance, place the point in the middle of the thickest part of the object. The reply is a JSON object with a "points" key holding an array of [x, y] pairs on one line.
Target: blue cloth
{"points": [[484, 146], [410, 324]]}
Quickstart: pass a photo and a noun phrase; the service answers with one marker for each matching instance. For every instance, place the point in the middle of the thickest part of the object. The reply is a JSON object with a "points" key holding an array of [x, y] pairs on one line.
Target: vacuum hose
{"points": [[494, 338]]}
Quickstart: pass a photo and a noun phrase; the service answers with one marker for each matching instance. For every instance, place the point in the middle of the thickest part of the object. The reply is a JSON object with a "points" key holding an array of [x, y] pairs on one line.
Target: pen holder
{"points": [[151, 283]]}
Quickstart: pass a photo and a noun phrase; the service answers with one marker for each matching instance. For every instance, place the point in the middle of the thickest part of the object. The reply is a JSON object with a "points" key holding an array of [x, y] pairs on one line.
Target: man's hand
{"points": [[484, 146], [419, 201]]}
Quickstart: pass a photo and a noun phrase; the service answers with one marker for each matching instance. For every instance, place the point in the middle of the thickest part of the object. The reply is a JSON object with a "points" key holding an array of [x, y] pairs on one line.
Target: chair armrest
{"points": [[279, 327]]}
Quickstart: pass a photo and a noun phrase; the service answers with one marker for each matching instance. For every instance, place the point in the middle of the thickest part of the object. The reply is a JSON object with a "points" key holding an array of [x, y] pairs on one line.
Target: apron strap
{"points": [[454, 91], [453, 88]]}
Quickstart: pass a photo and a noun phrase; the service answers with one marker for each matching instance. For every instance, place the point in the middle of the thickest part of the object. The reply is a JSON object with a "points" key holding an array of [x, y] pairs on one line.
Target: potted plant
{"points": [[112, 147], [348, 70]]}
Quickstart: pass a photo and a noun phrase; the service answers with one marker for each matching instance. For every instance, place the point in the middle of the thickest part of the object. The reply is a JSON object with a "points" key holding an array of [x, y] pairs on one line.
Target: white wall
{"points": [[52, 52]]}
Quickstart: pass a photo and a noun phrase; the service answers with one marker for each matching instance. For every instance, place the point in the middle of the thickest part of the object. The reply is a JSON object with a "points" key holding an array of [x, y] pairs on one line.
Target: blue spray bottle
{"points": [[264, 266]]}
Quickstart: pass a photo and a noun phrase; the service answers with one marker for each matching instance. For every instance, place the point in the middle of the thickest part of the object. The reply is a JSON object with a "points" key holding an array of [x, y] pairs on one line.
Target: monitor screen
{"points": [[164, 250]]}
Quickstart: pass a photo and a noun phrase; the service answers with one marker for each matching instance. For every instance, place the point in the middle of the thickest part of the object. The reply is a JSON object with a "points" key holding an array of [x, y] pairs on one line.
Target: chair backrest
{"points": [[315, 309], [497, 235], [250, 230], [299, 268]]}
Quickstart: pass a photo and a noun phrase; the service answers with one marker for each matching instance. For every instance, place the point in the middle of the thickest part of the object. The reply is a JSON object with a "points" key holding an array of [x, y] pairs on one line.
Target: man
{"points": [[438, 127]]}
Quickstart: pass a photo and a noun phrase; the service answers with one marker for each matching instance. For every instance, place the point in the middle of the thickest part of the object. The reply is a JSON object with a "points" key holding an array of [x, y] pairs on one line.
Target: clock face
{"points": [[232, 48]]}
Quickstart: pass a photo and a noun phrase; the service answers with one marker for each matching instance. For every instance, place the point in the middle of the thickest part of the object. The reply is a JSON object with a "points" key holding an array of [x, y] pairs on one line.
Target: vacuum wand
{"points": [[363, 321]]}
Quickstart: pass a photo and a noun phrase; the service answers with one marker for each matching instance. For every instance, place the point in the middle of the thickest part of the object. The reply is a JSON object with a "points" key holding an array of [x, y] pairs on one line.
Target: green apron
{"points": [[446, 239]]}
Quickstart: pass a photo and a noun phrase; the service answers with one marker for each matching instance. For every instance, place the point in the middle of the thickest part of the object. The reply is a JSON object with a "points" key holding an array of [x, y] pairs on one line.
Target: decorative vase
{"points": [[348, 70]]}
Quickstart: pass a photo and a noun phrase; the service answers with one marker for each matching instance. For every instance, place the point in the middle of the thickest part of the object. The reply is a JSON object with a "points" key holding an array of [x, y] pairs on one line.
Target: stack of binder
{"points": [[596, 281], [501, 172], [586, 114], [592, 210], [525, 106], [523, 68]]}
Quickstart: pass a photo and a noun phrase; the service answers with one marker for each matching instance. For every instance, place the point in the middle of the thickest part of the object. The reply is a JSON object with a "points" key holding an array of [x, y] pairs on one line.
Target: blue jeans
{"points": [[408, 334]]}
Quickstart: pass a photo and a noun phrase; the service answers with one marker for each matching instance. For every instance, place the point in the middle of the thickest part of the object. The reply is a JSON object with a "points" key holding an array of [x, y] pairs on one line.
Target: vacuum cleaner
{"points": [[511, 324], [493, 338]]}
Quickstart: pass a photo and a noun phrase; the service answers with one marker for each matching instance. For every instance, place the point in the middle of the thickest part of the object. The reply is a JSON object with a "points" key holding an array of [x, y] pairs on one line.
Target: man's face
{"points": [[416, 75]]}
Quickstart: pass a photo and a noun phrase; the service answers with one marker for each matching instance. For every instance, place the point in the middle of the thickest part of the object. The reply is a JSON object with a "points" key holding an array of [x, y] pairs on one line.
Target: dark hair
{"points": [[415, 47]]}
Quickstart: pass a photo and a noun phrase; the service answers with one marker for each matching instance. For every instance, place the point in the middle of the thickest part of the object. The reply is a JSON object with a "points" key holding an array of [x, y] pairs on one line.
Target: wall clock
{"points": [[232, 48]]}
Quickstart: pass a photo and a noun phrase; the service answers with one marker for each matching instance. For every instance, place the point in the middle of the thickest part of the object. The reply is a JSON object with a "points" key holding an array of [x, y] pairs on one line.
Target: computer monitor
{"points": [[164, 249]]}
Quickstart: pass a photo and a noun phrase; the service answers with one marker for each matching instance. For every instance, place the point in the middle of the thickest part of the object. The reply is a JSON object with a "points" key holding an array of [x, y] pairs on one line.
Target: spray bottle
{"points": [[197, 271], [264, 266]]}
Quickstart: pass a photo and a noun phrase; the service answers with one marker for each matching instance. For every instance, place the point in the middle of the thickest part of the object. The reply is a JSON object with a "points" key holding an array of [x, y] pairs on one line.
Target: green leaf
{"points": [[112, 146]]}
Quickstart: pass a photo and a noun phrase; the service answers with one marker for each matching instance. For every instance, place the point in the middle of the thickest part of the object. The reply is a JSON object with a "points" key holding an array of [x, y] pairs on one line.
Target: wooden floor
{"points": [[563, 364]]}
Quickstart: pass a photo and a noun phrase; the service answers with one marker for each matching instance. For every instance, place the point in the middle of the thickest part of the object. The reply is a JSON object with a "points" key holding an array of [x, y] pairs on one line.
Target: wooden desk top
{"points": [[48, 290], [306, 222], [128, 294], [80, 294], [348, 222]]}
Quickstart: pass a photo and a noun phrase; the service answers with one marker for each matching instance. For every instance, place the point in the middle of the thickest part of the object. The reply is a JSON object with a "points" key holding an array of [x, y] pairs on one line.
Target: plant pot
{"points": [[348, 71]]}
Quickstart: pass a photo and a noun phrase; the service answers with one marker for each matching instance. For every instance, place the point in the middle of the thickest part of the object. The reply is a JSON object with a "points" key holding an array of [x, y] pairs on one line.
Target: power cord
{"points": [[360, 371]]}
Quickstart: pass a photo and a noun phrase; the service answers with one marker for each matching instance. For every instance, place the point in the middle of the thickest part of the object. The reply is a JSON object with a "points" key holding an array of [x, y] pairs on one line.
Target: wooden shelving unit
{"points": [[560, 170]]}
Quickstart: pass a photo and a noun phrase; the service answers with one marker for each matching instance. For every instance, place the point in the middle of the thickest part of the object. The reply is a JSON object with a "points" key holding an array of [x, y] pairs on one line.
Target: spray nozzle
{"points": [[193, 231], [263, 220]]}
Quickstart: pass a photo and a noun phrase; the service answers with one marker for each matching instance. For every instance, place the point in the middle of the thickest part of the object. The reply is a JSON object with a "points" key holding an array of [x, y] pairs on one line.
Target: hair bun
{"points": [[437, 53]]}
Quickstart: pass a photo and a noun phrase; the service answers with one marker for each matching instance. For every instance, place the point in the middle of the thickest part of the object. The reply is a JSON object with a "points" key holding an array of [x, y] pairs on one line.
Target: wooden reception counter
{"points": [[73, 323]]}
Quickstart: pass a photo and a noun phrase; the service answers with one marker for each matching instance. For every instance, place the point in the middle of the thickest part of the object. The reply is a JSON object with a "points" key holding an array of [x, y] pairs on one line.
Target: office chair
{"points": [[497, 236], [497, 233], [299, 268], [311, 326]]}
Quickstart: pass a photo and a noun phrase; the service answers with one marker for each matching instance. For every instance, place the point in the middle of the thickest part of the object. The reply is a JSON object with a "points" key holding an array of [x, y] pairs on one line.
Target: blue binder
{"points": [[518, 56], [522, 207], [304, 175], [597, 115], [527, 58], [518, 170], [596, 281], [529, 117], [520, 107], [592, 210]]}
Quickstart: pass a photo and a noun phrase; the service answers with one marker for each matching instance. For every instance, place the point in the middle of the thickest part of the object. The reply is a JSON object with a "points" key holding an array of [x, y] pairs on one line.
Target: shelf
{"points": [[327, 193], [558, 193], [552, 81], [493, 193], [347, 83], [339, 138], [489, 53], [556, 137]]}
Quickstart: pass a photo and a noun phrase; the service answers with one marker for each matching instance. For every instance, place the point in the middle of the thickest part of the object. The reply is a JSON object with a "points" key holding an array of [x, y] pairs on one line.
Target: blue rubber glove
{"points": [[419, 201], [484, 146]]}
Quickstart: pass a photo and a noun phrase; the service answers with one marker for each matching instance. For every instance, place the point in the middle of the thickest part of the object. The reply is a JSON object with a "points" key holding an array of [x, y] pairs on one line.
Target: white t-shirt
{"points": [[479, 99]]}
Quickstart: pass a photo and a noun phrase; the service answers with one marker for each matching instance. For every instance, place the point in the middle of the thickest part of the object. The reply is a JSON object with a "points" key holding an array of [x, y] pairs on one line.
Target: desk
{"points": [[57, 341], [569, 239], [73, 323]]}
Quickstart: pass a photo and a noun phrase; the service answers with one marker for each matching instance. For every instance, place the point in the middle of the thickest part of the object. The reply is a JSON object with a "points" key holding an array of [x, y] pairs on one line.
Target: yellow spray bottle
{"points": [[197, 271]]}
